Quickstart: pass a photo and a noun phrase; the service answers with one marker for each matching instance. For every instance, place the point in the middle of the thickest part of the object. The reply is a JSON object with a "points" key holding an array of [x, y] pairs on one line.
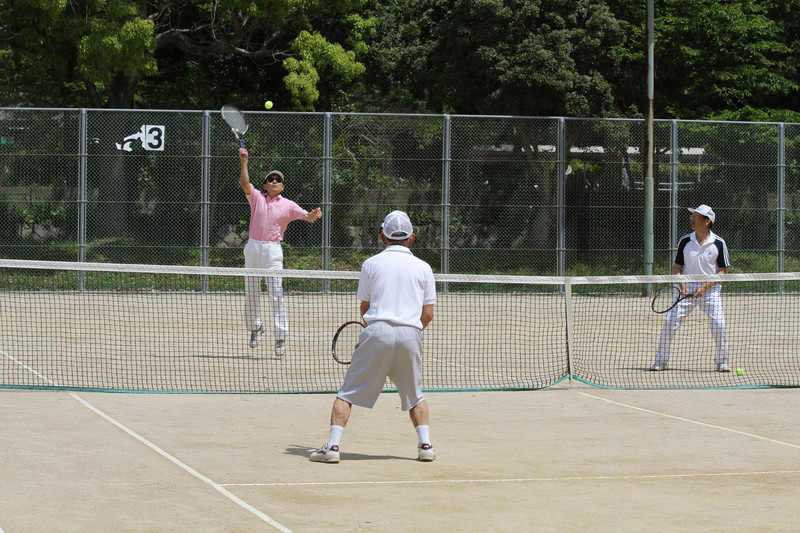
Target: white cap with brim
{"points": [[705, 211], [397, 226]]}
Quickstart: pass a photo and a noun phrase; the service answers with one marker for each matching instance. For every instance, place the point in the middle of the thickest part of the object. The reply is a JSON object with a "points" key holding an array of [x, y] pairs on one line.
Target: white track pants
{"points": [[269, 255], [711, 304]]}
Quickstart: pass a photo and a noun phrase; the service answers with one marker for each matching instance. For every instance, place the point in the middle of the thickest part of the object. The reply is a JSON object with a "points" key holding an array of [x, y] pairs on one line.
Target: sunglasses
{"points": [[274, 178]]}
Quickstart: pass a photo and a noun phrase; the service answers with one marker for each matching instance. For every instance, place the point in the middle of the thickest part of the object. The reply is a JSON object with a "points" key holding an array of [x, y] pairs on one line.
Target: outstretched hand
{"points": [[314, 214], [243, 154]]}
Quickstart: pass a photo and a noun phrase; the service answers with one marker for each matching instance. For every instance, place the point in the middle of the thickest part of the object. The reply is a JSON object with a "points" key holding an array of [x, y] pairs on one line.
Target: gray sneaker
{"points": [[426, 453], [659, 366], [280, 347], [325, 455], [723, 367], [255, 336]]}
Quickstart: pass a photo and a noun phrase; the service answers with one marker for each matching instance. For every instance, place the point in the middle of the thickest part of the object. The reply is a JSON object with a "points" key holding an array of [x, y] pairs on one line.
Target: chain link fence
{"points": [[487, 194]]}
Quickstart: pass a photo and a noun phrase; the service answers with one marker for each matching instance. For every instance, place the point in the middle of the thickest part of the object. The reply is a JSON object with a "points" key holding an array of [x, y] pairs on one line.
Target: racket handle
{"points": [[241, 143]]}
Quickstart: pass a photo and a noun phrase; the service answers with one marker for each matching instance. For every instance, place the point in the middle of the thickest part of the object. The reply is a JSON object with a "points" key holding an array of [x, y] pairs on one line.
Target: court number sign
{"points": [[150, 137]]}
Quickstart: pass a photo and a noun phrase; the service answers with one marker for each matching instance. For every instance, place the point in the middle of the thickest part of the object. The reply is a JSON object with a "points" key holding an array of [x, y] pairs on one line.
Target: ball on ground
{"points": [[268, 104], [739, 371]]}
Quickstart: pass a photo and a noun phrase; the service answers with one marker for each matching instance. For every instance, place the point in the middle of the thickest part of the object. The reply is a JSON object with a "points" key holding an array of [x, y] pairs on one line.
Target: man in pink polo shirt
{"points": [[270, 213]]}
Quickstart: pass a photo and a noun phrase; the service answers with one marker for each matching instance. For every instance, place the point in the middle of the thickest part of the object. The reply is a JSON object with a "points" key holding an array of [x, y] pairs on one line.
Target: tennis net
{"points": [[108, 327]]}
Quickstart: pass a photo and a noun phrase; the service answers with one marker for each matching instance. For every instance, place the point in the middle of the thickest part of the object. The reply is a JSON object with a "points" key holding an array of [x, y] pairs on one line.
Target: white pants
{"points": [[269, 255], [711, 304]]}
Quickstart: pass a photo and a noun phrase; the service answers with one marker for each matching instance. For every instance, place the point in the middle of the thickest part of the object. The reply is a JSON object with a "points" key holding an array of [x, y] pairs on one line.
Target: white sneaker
{"points": [[280, 347], [723, 367], [425, 453], [325, 454], [659, 366], [255, 336]]}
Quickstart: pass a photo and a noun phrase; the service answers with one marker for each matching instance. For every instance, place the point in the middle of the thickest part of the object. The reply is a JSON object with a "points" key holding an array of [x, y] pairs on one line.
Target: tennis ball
{"points": [[739, 371], [268, 104]]}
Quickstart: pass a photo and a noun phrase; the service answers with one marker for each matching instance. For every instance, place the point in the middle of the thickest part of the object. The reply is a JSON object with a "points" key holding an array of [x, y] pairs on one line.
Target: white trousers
{"points": [[711, 304], [269, 255]]}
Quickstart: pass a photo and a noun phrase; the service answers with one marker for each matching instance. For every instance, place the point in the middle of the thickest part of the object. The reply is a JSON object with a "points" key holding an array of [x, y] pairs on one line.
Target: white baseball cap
{"points": [[397, 226], [705, 211]]}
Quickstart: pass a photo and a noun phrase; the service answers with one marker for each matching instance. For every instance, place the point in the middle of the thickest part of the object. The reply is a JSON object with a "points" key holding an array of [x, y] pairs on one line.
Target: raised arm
{"points": [[244, 174]]}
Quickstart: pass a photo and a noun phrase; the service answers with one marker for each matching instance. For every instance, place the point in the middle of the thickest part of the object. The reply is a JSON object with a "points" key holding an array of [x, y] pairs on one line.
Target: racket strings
{"points": [[234, 118]]}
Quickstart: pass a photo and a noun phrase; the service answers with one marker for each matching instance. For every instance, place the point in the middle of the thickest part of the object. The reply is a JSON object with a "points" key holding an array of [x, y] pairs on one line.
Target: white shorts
{"points": [[385, 350]]}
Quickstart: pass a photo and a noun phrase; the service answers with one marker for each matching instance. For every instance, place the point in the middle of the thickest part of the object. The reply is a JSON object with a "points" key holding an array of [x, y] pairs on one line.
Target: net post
{"points": [[568, 315]]}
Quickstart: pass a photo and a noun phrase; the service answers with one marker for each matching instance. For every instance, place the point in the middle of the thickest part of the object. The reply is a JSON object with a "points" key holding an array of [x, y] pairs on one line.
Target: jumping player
{"points": [[270, 213]]}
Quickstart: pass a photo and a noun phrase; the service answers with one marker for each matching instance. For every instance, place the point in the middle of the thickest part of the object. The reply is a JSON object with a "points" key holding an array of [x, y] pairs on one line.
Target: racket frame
{"points": [[675, 290], [238, 132], [336, 338]]}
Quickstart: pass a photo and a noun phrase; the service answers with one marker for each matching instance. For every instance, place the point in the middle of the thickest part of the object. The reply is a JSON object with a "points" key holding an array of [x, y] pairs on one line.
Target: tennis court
{"points": [[562, 459]]}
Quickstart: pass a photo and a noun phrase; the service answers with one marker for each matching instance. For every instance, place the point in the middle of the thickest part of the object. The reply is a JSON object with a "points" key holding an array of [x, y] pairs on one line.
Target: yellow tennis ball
{"points": [[739, 371], [268, 104]]}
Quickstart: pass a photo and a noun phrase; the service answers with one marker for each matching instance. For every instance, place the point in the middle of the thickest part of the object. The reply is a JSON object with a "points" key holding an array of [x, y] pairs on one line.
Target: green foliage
{"points": [[711, 57], [312, 54], [117, 43], [109, 53], [499, 57]]}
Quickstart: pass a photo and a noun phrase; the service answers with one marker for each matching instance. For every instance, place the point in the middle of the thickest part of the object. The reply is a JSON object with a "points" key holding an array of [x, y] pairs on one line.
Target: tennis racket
{"points": [[345, 341], [234, 118], [667, 298]]}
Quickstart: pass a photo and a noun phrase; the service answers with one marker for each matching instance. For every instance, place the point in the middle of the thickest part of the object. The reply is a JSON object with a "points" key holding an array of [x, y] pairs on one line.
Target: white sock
{"points": [[336, 436], [423, 435]]}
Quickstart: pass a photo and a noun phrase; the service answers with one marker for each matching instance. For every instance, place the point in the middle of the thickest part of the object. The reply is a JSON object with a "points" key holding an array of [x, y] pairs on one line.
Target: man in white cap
{"points": [[397, 293], [700, 252]]}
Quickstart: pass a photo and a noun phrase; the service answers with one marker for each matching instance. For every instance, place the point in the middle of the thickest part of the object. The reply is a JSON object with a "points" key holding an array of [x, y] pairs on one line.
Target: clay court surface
{"points": [[568, 458]]}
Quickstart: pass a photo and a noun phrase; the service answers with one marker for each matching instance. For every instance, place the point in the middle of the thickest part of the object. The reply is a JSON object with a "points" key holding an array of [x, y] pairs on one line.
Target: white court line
{"points": [[219, 488], [31, 370], [514, 480], [694, 421]]}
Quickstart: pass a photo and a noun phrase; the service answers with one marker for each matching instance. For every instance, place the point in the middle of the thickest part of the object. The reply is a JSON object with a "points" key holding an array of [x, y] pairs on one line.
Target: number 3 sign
{"points": [[151, 137]]}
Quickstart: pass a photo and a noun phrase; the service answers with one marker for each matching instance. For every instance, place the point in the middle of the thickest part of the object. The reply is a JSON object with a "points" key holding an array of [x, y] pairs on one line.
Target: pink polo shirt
{"points": [[269, 217]]}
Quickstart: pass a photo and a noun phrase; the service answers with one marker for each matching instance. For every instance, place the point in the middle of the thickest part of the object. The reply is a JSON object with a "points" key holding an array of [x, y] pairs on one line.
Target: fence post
{"points": [[446, 160], [673, 188], [327, 158], [82, 196], [561, 256], [205, 202], [781, 207]]}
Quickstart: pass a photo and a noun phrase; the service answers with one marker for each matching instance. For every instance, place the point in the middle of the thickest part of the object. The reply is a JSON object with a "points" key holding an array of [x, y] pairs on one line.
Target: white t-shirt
{"points": [[706, 257], [396, 284]]}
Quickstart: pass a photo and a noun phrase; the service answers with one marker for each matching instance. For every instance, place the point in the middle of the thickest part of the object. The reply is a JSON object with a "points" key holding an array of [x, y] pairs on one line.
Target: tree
{"points": [[499, 56], [98, 52], [711, 57]]}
